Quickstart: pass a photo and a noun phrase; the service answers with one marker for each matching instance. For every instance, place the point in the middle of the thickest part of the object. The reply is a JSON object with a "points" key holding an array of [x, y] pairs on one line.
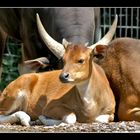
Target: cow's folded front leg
{"points": [[68, 119], [18, 116], [54, 115]]}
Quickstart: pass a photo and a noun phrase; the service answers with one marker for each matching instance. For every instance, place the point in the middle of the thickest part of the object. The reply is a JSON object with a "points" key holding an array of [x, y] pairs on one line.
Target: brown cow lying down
{"points": [[35, 94], [121, 61], [85, 95]]}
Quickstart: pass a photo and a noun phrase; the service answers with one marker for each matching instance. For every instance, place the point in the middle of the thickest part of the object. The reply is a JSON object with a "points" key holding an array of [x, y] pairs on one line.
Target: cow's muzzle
{"points": [[64, 77]]}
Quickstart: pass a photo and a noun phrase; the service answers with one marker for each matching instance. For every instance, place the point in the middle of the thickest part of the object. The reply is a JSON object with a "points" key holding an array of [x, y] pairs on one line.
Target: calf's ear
{"points": [[99, 51]]}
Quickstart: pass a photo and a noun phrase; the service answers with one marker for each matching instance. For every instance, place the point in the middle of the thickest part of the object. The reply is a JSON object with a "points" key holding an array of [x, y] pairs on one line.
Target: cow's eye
{"points": [[81, 61]]}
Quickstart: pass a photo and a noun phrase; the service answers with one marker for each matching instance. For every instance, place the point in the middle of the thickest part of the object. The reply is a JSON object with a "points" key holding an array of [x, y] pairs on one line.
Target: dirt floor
{"points": [[113, 127]]}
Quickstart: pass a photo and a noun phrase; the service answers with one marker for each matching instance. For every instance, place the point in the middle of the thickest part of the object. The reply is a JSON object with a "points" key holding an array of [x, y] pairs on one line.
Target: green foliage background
{"points": [[11, 58]]}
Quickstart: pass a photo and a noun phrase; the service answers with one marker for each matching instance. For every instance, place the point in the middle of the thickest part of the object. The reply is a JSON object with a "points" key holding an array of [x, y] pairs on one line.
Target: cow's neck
{"points": [[87, 90]]}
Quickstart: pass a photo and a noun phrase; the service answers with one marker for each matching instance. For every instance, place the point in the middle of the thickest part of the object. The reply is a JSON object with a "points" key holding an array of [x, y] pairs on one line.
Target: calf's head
{"points": [[77, 62]]}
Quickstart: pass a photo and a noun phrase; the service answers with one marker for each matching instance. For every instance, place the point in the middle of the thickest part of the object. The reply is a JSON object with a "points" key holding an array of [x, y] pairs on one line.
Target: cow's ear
{"points": [[100, 51], [65, 43], [30, 66]]}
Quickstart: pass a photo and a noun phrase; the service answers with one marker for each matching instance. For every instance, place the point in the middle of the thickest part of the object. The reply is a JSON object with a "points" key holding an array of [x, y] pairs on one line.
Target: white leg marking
{"points": [[16, 117], [70, 119], [8, 119], [104, 118], [23, 117], [18, 103]]}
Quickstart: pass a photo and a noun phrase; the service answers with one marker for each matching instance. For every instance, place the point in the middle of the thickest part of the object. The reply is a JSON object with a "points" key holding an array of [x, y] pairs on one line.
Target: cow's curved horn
{"points": [[56, 47], [109, 35]]}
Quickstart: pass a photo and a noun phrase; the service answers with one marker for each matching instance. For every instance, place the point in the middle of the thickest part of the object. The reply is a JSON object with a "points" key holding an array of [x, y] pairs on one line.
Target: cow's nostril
{"points": [[64, 77]]}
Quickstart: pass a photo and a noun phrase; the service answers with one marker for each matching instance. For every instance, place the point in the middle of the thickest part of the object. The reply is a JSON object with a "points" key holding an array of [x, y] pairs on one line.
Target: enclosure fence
{"points": [[128, 21]]}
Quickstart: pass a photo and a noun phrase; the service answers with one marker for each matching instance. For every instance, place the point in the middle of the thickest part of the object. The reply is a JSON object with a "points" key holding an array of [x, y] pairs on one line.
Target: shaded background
{"points": [[128, 26]]}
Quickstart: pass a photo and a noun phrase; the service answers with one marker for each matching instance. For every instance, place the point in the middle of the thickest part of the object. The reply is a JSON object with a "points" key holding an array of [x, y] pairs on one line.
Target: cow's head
{"points": [[77, 62]]}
